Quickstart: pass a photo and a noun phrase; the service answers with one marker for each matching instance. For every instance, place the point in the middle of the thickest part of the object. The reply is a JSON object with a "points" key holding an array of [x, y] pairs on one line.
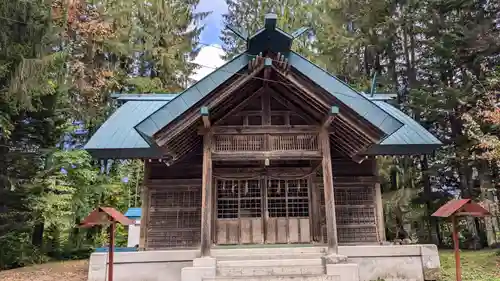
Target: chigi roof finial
{"points": [[269, 38]]}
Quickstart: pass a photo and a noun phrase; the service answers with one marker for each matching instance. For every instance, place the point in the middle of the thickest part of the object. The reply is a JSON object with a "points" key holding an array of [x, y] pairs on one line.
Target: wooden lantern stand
{"points": [[455, 209], [106, 216]]}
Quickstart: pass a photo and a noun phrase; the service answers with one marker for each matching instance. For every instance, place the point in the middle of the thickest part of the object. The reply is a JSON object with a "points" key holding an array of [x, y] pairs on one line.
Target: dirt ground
{"points": [[54, 271]]}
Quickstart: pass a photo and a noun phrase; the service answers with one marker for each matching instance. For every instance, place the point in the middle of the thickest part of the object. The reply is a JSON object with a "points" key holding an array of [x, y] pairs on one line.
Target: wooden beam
{"points": [[334, 111], [266, 108], [165, 135], [206, 196], [331, 225], [259, 112], [358, 158], [286, 101], [205, 117], [290, 77], [256, 130], [242, 104], [271, 155]]}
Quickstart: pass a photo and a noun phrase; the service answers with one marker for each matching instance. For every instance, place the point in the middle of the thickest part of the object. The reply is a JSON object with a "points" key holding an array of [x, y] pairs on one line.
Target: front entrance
{"points": [[262, 210]]}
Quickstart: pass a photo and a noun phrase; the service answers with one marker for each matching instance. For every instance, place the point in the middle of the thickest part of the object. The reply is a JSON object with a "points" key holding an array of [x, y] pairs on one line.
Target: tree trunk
{"points": [[37, 236], [433, 233]]}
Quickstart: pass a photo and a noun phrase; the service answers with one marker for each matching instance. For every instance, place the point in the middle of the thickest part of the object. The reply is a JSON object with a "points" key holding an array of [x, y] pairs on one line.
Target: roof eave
{"points": [[401, 149], [156, 121], [124, 153], [347, 95]]}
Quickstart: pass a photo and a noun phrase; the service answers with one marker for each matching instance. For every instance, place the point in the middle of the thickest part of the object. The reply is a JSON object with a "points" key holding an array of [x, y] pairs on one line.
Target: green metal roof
{"points": [[277, 40], [118, 139], [347, 95], [128, 133], [356, 100], [168, 112], [412, 138]]}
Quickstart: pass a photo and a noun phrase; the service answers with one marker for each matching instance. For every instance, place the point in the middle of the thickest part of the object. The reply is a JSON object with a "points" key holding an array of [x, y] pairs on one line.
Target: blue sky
{"points": [[209, 57], [213, 23]]}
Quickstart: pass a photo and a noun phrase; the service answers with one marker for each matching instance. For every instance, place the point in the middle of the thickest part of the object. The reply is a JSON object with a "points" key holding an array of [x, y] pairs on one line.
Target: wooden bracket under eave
{"points": [[334, 111], [205, 117]]}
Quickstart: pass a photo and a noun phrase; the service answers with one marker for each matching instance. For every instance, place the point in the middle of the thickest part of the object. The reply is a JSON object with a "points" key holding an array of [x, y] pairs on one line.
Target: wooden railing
{"points": [[229, 143], [265, 142], [307, 142]]}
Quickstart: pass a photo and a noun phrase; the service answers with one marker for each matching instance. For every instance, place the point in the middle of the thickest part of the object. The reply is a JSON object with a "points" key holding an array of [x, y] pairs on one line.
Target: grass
{"points": [[476, 265]]}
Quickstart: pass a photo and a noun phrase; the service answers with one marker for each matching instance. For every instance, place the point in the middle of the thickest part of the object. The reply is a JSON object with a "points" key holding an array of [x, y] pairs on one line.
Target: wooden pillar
{"points": [[145, 206], [379, 205], [315, 209], [206, 188], [331, 225], [379, 208]]}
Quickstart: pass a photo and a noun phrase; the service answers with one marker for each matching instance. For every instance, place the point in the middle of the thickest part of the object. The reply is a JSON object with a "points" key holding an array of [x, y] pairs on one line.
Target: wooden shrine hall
{"points": [[267, 149]]}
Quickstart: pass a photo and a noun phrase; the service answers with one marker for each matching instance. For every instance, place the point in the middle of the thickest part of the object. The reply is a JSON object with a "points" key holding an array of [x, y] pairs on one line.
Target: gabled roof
{"points": [[133, 130], [462, 207], [104, 215], [355, 100], [161, 117], [347, 95], [411, 138], [268, 39], [115, 138]]}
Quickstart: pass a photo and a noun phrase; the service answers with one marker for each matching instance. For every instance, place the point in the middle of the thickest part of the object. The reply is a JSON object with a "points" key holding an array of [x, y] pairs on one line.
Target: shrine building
{"points": [[263, 170]]}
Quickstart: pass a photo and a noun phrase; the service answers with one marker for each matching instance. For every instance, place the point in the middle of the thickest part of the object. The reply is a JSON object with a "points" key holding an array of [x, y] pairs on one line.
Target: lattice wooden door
{"points": [[287, 217], [239, 211], [262, 210]]}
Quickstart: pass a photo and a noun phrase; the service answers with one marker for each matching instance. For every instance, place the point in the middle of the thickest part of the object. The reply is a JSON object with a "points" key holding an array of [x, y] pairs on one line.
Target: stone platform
{"points": [[363, 263], [269, 264]]}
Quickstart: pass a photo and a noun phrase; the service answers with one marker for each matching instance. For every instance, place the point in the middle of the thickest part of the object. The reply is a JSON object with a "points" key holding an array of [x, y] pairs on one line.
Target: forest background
{"points": [[60, 61]]}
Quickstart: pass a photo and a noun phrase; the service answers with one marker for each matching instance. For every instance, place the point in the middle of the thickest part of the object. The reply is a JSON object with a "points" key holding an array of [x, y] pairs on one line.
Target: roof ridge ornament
{"points": [[270, 38], [270, 20]]}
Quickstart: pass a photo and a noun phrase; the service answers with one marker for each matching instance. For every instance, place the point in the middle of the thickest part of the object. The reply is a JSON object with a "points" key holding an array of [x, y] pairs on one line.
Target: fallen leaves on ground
{"points": [[54, 271]]}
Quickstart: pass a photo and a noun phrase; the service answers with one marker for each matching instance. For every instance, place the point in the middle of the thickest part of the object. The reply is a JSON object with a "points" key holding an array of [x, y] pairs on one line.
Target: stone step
{"points": [[290, 251], [254, 271], [269, 262], [270, 256], [277, 278]]}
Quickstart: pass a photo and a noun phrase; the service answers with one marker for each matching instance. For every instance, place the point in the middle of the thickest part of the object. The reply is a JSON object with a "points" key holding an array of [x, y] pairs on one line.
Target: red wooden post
{"points": [[111, 250], [458, 269]]}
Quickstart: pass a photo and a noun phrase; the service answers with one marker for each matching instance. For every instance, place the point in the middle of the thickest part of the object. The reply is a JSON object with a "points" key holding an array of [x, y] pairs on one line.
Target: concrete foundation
{"points": [[364, 263]]}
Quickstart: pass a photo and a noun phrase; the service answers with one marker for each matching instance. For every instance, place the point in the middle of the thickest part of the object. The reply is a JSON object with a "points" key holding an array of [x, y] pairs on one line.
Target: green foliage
{"points": [[16, 250], [58, 64], [441, 58]]}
